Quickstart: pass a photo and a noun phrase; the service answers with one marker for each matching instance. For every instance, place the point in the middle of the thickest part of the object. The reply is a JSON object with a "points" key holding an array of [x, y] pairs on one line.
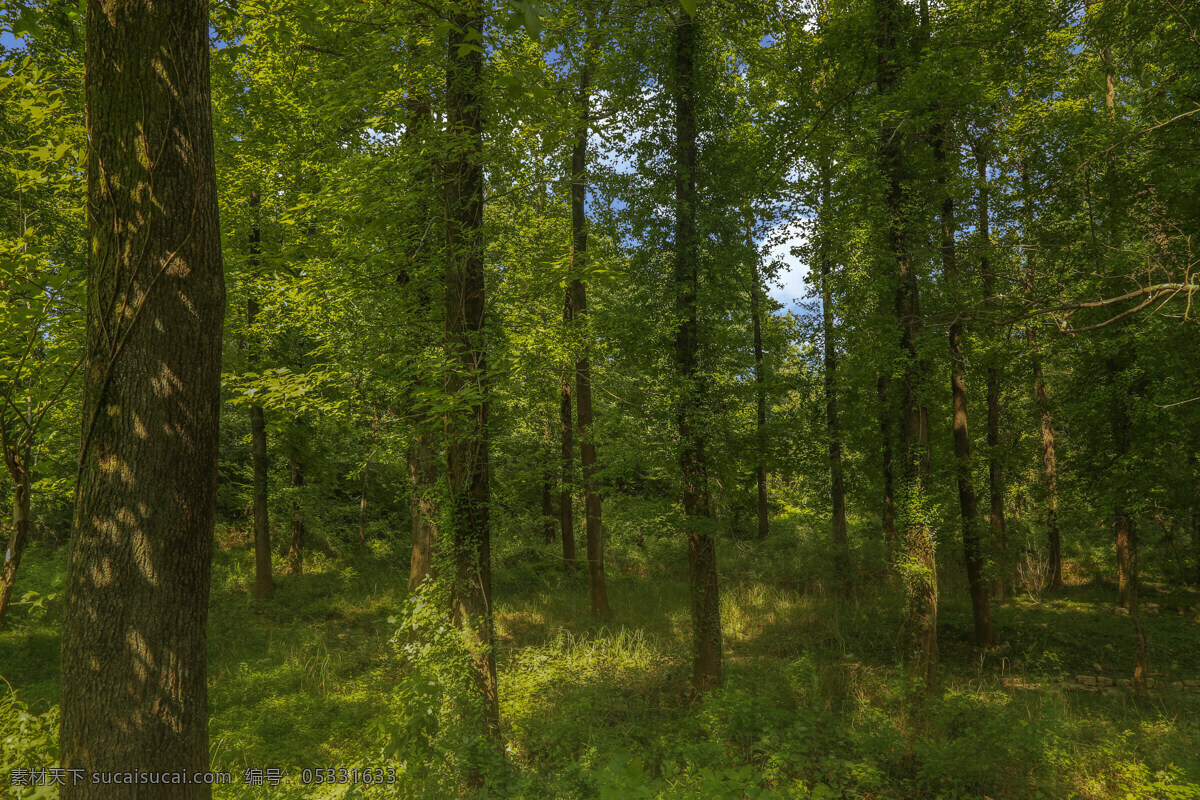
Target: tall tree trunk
{"points": [[1042, 396], [17, 459], [702, 552], [995, 465], [760, 393], [258, 429], [469, 533], [981, 611], [422, 474], [597, 588], [917, 544], [566, 506], [299, 526], [134, 677], [889, 491], [837, 487], [1125, 528]]}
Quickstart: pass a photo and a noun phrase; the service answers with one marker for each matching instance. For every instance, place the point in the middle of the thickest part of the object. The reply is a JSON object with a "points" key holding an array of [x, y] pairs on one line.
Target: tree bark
{"points": [[566, 506], [17, 459], [917, 544], [597, 588], [760, 394], [469, 533], [134, 679], [258, 431], [837, 487], [702, 554], [995, 464], [981, 611]]}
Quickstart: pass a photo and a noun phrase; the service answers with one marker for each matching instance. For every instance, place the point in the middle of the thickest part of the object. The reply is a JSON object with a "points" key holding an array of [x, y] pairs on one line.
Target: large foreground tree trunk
{"points": [[918, 555], [134, 680], [702, 552], [469, 533]]}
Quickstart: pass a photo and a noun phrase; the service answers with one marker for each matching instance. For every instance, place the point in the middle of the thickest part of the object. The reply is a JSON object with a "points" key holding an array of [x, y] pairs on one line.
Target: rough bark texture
{"points": [[837, 485], [702, 554], [995, 466], [918, 557], [422, 474], [469, 533], [760, 393], [17, 460], [258, 432], [981, 612], [134, 681], [597, 588]]}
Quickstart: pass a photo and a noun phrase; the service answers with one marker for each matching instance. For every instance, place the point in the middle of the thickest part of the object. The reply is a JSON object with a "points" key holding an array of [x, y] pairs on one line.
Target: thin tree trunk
{"points": [[19, 467], [760, 393], [566, 507], [422, 474], [889, 491], [134, 676], [702, 553], [917, 544], [597, 588], [995, 464], [258, 430], [469, 531], [299, 527], [837, 487], [1042, 396], [1125, 528], [981, 611]]}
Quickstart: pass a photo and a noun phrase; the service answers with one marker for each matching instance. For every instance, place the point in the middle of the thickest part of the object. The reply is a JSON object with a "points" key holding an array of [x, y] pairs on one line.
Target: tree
{"points": [[466, 381], [134, 682], [702, 550]]}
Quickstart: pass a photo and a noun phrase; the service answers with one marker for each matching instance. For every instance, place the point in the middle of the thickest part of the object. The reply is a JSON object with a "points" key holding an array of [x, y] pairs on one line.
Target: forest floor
{"points": [[813, 702]]}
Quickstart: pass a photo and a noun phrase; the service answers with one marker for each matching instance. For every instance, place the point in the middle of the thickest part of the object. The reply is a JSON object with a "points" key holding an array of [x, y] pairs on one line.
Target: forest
{"points": [[600, 399]]}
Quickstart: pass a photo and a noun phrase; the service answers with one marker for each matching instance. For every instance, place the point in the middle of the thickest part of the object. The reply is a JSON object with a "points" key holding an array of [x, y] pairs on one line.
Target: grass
{"points": [[814, 703]]}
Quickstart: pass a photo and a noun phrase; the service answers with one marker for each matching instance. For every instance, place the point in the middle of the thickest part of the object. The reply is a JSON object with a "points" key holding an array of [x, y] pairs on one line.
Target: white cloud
{"points": [[789, 283]]}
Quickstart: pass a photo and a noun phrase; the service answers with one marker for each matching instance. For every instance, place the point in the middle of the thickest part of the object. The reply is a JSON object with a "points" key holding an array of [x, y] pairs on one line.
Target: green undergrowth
{"points": [[342, 667]]}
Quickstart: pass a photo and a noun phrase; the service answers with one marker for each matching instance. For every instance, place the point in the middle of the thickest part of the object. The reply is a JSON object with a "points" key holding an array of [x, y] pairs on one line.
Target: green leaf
{"points": [[689, 6]]}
